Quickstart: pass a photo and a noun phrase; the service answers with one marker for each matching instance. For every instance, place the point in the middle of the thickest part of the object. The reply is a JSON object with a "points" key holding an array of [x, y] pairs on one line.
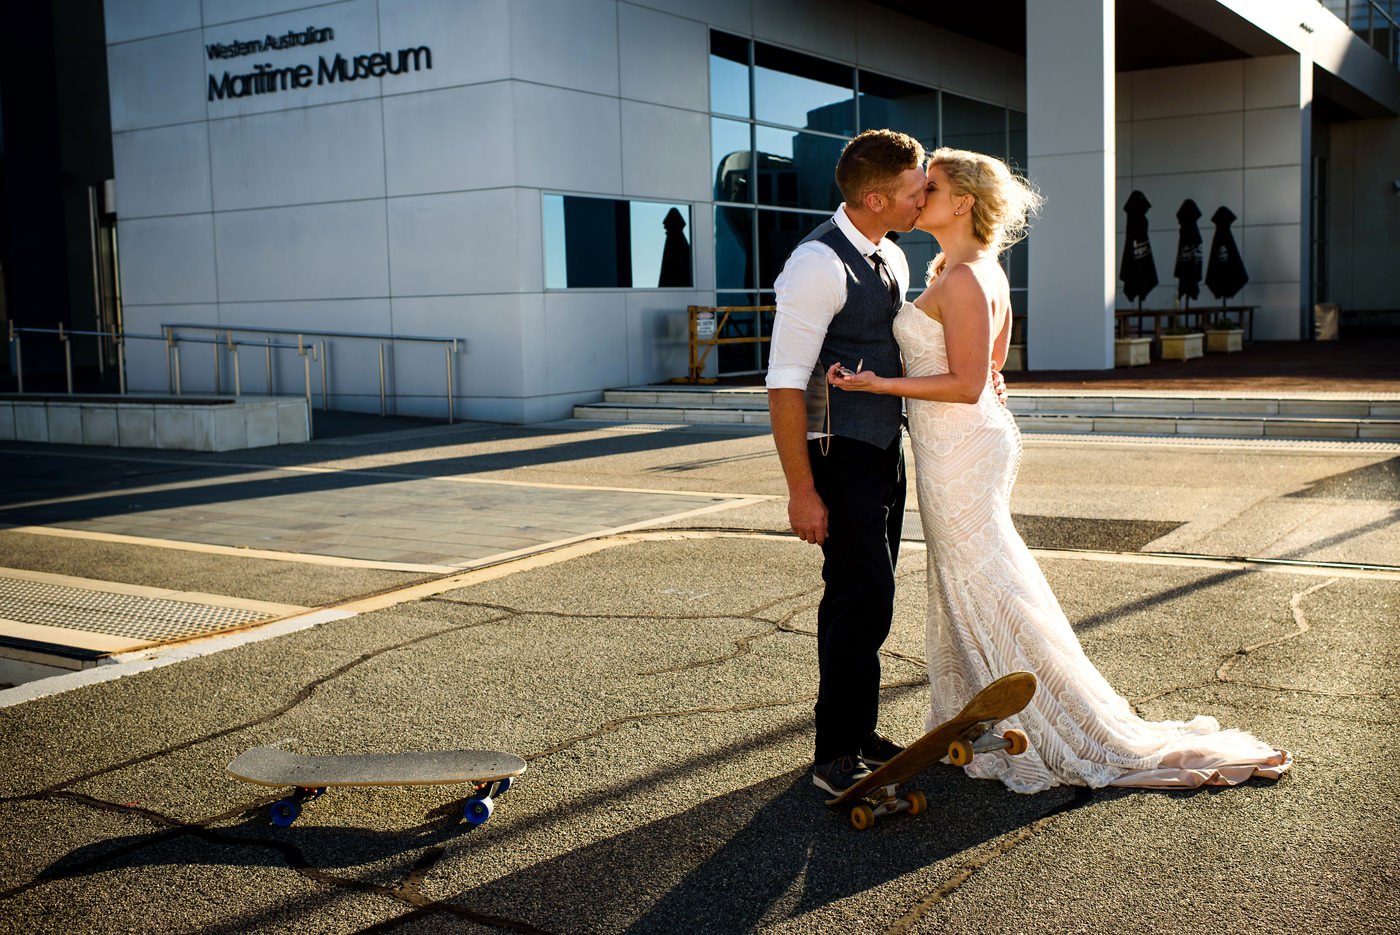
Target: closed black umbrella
{"points": [[675, 253], [1225, 273], [1138, 270], [1188, 252]]}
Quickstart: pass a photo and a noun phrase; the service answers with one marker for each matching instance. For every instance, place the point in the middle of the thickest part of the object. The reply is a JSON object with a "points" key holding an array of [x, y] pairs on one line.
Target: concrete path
{"points": [[624, 609]]}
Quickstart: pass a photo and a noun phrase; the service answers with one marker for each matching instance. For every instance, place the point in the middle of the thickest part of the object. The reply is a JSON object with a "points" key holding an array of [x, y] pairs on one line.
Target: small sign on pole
{"points": [[704, 324]]}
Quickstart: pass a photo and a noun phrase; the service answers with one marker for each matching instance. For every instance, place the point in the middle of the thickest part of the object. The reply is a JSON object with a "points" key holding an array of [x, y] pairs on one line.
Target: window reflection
{"points": [[732, 156], [899, 105], [797, 170], [974, 125], [734, 266], [603, 243], [801, 91], [729, 74], [779, 232]]}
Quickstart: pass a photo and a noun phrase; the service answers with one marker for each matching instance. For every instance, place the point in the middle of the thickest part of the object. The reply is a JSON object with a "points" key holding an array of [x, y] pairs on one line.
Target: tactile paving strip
{"points": [[125, 615]]}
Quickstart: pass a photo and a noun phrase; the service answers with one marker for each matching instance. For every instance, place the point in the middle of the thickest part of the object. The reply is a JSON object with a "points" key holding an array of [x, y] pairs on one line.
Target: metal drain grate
{"points": [[113, 614]]}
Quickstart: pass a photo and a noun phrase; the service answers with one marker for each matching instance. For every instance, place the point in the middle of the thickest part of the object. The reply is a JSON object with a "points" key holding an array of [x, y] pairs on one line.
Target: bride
{"points": [[990, 610]]}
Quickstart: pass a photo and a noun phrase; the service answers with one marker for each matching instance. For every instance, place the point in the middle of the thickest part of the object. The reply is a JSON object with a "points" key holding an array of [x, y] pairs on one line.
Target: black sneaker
{"points": [[879, 750], [839, 775]]}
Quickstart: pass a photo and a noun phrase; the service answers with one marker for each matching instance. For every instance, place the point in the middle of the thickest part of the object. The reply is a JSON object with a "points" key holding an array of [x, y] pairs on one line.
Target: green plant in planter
{"points": [[1181, 331], [1224, 324]]}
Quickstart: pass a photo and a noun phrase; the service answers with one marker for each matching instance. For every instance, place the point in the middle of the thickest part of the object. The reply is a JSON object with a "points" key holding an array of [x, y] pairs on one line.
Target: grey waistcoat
{"points": [[861, 330]]}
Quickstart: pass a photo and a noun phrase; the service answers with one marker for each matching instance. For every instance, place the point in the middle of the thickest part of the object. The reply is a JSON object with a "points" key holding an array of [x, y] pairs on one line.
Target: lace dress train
{"points": [[991, 611]]}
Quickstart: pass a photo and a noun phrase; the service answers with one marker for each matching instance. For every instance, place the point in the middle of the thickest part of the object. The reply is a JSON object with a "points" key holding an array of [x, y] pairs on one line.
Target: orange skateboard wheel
{"points": [[1020, 743], [862, 816], [960, 753], [917, 802]]}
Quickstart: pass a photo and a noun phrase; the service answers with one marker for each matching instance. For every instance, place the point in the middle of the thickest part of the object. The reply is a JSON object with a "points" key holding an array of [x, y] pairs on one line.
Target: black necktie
{"points": [[888, 277]]}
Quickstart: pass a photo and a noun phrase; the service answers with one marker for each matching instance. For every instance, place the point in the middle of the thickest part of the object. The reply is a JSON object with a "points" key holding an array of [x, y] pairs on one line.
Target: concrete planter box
{"points": [[1015, 357], [185, 423], [1183, 346], [1225, 341], [1132, 352]]}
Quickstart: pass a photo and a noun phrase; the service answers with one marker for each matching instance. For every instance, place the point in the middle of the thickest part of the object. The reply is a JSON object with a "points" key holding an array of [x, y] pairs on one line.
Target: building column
{"points": [[1070, 149]]}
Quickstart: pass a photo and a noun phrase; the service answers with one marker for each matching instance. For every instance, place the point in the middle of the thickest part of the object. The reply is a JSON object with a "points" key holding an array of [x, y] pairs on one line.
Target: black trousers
{"points": [[863, 489]]}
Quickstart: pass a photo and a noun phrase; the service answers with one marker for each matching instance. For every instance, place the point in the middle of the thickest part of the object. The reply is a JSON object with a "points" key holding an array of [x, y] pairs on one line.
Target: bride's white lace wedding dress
{"points": [[990, 612]]}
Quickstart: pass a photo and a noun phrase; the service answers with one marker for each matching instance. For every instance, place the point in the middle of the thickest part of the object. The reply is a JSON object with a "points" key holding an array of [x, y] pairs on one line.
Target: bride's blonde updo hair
{"points": [[1003, 202]]}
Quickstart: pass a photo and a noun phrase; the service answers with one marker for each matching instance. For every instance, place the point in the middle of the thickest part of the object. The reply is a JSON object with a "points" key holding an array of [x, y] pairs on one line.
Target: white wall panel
{"points": [[1271, 253], [311, 154], [1271, 195], [140, 19], [146, 370], [529, 240], [456, 243], [226, 11], [1277, 317], [1188, 144], [567, 140], [731, 15], [566, 43], [168, 260], [468, 39], [1271, 82], [665, 153], [903, 47], [491, 326], [1216, 87], [821, 27], [156, 82], [356, 28], [162, 171], [585, 341], [660, 58], [1209, 190], [1273, 137], [335, 250], [658, 329], [449, 140]]}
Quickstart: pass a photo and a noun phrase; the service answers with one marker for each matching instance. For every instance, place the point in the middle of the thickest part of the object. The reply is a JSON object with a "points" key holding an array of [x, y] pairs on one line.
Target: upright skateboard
{"points": [[489, 772], [959, 739]]}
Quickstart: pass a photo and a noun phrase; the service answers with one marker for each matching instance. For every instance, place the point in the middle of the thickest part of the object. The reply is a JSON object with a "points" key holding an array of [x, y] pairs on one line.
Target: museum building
{"points": [[553, 182]]}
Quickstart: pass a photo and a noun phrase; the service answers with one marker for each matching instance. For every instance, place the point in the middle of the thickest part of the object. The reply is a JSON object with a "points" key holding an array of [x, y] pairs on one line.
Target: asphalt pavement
{"points": [[623, 607]]}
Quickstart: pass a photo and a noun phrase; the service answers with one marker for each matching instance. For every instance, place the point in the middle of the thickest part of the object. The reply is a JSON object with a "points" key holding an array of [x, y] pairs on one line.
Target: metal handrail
{"points": [[172, 340], [451, 347]]}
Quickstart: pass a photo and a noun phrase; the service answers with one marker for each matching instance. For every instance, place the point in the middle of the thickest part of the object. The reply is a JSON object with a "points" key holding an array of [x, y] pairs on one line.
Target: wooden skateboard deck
{"points": [[959, 739], [490, 773]]}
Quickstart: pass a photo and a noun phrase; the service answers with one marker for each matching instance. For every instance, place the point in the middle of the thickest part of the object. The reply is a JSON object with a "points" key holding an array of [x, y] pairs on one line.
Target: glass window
{"points": [[899, 105], [602, 243], [974, 125], [729, 75], [734, 254], [919, 249], [779, 232], [797, 170], [732, 156], [1016, 142], [801, 91]]}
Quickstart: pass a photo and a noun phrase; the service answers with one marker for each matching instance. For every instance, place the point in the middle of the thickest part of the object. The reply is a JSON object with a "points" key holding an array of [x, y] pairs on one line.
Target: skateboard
{"points": [[489, 772], [959, 739]]}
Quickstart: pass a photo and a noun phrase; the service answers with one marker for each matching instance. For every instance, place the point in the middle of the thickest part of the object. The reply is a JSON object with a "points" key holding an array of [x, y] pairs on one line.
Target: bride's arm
{"points": [[967, 333]]}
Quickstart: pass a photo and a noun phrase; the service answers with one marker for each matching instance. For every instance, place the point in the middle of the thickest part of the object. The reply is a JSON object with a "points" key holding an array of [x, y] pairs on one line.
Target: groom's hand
{"points": [[807, 514], [999, 386]]}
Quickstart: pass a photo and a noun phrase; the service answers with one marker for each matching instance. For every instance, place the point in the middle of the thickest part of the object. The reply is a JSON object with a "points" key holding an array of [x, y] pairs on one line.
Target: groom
{"points": [[842, 453]]}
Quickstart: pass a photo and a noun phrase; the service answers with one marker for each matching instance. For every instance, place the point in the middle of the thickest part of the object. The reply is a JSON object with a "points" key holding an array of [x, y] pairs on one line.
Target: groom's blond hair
{"points": [[873, 162]]}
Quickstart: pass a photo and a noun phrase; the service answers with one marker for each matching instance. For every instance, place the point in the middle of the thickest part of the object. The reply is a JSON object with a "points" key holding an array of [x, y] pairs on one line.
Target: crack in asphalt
{"points": [[1222, 674]]}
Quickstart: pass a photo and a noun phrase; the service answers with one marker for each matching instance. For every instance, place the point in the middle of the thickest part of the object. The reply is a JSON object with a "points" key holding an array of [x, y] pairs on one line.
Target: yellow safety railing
{"points": [[706, 325]]}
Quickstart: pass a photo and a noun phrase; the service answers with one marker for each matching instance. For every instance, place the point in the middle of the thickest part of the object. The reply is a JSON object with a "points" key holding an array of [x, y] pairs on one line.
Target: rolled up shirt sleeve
{"points": [[811, 289]]}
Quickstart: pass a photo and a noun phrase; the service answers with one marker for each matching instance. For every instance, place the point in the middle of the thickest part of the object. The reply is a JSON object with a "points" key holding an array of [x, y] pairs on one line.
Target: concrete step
{"points": [[1223, 415]]}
